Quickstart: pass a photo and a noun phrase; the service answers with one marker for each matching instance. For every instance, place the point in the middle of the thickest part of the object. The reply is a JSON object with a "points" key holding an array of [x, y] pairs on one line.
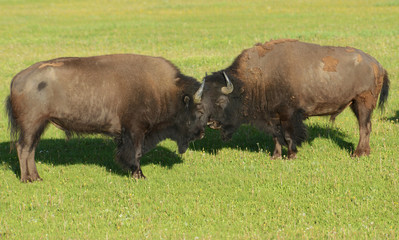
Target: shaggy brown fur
{"points": [[139, 100], [280, 83]]}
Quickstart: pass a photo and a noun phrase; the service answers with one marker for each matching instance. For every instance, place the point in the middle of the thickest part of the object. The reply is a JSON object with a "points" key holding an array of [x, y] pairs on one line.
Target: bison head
{"points": [[221, 103], [190, 122]]}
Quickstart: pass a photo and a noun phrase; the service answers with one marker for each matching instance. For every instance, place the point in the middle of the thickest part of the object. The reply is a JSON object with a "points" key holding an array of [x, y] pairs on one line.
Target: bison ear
{"points": [[222, 101], [186, 100]]}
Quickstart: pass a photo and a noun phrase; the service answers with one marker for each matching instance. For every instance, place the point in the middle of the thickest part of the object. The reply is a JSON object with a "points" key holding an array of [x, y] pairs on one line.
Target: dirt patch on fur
{"points": [[330, 64], [375, 71], [277, 41], [349, 49], [56, 64], [378, 78], [368, 99], [359, 58], [262, 49]]}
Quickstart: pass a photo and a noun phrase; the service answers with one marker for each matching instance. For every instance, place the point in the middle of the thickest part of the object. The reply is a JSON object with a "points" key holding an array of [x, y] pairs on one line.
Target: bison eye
{"points": [[186, 100]]}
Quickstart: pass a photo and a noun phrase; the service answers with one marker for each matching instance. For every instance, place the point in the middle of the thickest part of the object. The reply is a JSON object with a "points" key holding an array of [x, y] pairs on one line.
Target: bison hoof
{"points": [[360, 153], [291, 156], [138, 174], [276, 156], [27, 179]]}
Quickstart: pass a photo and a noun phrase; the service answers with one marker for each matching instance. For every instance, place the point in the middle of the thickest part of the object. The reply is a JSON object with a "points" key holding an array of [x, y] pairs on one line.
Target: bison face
{"points": [[221, 104], [190, 123]]}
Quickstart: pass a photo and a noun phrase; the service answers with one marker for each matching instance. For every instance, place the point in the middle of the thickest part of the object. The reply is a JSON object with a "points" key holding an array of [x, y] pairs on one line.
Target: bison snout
{"points": [[214, 124]]}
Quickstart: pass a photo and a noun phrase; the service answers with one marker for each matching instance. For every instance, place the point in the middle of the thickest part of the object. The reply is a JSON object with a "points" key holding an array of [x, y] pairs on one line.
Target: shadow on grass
{"points": [[250, 139], [98, 151], [246, 138], [336, 136], [394, 118]]}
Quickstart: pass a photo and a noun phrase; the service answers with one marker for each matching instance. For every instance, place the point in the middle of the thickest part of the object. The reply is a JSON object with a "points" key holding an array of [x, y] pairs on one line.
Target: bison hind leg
{"points": [[26, 147], [363, 110]]}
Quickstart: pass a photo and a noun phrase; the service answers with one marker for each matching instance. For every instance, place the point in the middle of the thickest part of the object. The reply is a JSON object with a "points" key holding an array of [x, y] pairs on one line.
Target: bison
{"points": [[276, 85], [138, 100]]}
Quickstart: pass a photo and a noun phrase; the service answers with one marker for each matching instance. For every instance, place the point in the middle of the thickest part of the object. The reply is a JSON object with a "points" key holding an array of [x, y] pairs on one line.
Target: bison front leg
{"points": [[138, 146], [130, 151], [294, 132], [292, 150], [289, 139], [277, 148]]}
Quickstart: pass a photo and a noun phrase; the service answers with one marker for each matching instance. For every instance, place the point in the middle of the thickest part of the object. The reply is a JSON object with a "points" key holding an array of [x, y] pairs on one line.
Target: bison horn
{"points": [[198, 94], [229, 88]]}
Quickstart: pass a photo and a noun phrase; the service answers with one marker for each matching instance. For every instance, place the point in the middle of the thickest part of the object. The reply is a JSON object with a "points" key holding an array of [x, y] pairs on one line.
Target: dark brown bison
{"points": [[276, 85], [138, 100]]}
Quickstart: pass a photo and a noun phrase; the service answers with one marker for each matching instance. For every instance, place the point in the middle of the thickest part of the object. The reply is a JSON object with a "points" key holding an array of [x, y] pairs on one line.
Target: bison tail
{"points": [[12, 123], [384, 91]]}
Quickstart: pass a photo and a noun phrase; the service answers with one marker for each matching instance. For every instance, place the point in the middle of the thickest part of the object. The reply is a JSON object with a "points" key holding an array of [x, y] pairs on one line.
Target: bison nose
{"points": [[214, 124]]}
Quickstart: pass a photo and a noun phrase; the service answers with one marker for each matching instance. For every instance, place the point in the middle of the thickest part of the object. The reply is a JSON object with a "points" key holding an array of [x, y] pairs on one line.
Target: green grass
{"points": [[215, 190]]}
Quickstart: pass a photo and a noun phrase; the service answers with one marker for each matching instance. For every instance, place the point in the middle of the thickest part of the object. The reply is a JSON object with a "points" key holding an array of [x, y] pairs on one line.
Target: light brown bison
{"points": [[138, 100], [276, 85]]}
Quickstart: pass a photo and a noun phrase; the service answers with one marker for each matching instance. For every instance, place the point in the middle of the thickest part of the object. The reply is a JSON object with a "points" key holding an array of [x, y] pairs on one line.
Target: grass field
{"points": [[215, 190]]}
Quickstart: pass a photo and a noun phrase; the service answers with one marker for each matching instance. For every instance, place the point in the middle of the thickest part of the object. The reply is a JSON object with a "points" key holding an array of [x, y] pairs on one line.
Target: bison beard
{"points": [[138, 100], [276, 85]]}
